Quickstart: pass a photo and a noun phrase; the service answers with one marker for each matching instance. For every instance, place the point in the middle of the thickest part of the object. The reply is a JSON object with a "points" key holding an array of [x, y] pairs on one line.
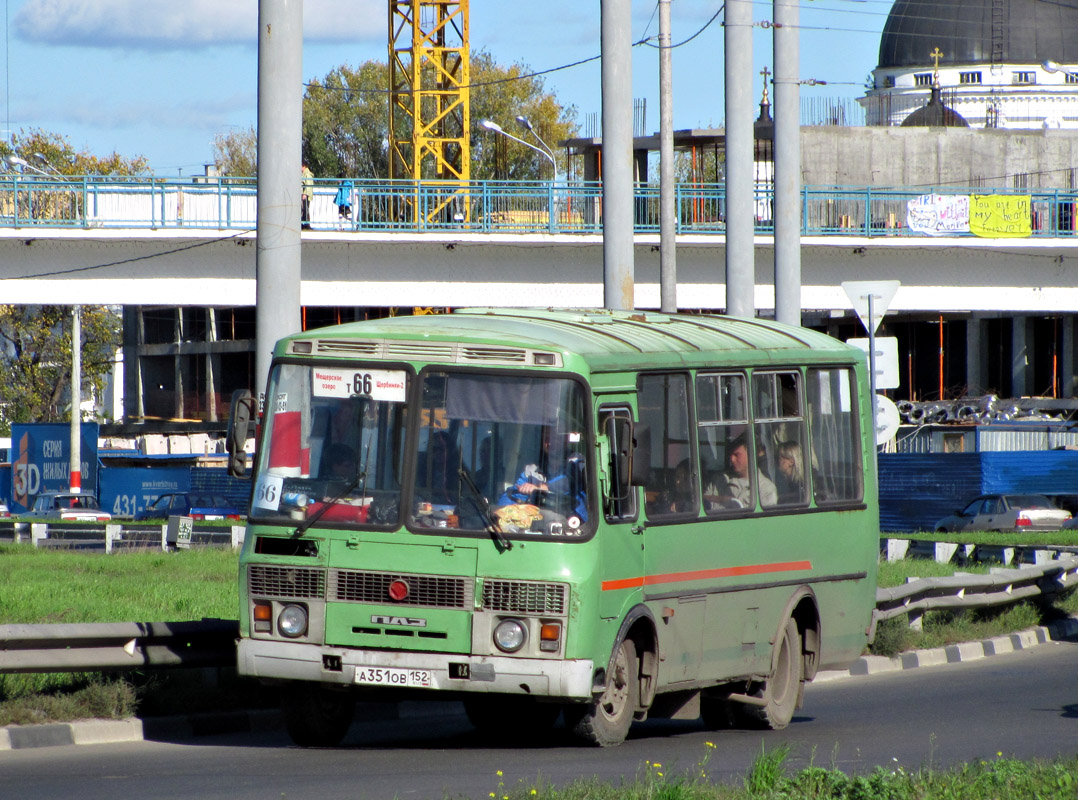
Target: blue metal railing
{"points": [[478, 206]]}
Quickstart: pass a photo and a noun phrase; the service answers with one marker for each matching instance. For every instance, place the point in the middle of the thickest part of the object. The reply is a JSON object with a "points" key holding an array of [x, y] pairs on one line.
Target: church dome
{"points": [[1025, 32], [935, 115]]}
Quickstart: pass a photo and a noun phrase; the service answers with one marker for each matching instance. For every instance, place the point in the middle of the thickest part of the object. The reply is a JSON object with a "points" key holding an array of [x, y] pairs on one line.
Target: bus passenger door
{"points": [[621, 532]]}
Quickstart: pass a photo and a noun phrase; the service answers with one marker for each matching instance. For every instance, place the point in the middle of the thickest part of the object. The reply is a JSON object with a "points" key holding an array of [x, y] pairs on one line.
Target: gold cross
{"points": [[936, 55], [765, 72]]}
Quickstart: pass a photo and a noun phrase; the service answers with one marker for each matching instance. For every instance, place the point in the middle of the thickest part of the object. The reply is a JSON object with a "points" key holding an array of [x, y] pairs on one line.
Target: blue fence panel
{"points": [[917, 490], [1032, 472]]}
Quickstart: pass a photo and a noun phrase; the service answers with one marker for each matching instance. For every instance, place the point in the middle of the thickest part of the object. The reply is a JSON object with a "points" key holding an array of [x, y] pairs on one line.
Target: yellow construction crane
{"points": [[429, 115]]}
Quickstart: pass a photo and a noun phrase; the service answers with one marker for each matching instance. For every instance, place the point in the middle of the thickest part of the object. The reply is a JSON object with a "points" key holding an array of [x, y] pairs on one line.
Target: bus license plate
{"points": [[388, 676]]}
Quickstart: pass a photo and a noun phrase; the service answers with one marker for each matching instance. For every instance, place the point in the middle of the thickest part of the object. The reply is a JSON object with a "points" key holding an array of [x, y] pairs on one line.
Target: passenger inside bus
{"points": [[732, 488], [791, 474]]}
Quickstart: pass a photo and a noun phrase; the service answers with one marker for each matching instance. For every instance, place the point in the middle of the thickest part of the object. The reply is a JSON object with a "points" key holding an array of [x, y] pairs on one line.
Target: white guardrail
{"points": [[177, 533], [212, 642]]}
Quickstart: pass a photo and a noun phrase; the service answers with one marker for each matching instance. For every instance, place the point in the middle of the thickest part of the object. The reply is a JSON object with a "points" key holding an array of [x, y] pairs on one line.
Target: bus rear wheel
{"points": [[316, 716], [605, 721], [782, 691]]}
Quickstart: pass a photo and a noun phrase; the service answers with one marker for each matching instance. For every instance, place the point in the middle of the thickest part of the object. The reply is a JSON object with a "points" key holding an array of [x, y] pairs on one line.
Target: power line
{"points": [[90, 268]]}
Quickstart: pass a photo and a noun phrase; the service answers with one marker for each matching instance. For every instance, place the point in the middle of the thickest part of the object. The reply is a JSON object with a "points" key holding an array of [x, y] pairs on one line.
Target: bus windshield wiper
{"points": [[493, 528], [359, 480]]}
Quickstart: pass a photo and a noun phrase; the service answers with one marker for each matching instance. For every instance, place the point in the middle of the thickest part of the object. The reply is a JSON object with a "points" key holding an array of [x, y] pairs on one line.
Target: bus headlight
{"points": [[510, 635], [292, 621]]}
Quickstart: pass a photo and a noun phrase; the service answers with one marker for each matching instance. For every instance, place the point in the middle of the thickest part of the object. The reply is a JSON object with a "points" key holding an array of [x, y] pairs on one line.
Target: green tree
{"points": [[346, 124], [501, 94], [35, 358], [45, 152], [236, 153]]}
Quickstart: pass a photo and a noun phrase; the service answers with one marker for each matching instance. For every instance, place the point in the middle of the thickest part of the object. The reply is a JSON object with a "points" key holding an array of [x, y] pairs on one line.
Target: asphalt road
{"points": [[1023, 704]]}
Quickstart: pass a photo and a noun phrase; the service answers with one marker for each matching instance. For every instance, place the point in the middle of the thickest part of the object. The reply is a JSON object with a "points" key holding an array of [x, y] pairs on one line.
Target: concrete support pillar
{"points": [[132, 388], [1021, 368], [1068, 386], [975, 356]]}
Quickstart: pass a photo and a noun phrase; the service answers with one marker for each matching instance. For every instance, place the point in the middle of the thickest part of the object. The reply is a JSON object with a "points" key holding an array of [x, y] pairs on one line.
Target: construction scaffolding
{"points": [[429, 114]]}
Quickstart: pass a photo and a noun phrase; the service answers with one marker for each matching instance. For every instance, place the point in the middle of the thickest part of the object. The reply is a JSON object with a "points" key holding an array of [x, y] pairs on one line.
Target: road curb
{"points": [[957, 653], [105, 731]]}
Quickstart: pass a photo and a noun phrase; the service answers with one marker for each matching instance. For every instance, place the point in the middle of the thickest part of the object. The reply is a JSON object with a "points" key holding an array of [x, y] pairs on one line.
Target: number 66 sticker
{"points": [[268, 492]]}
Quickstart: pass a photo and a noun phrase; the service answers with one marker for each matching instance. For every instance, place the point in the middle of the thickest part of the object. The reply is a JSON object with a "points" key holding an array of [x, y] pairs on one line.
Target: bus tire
{"points": [[502, 715], [316, 716], [783, 688], [605, 721]]}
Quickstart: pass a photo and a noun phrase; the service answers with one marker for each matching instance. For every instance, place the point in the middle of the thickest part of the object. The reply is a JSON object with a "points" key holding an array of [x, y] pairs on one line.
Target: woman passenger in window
{"points": [[791, 478]]}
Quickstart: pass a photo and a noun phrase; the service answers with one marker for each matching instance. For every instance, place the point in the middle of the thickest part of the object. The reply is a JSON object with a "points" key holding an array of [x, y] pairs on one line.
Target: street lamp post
{"points": [[490, 125]]}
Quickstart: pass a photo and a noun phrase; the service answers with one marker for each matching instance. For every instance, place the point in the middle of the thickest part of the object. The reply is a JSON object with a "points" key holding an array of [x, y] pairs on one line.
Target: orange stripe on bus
{"points": [[705, 574]]}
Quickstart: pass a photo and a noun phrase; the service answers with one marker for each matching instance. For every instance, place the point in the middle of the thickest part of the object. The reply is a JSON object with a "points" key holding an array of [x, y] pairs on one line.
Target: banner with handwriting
{"points": [[938, 214], [1001, 216]]}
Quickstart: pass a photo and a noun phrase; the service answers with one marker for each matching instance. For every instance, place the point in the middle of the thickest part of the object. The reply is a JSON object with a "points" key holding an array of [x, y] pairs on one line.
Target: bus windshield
{"points": [[503, 452], [507, 451], [333, 437]]}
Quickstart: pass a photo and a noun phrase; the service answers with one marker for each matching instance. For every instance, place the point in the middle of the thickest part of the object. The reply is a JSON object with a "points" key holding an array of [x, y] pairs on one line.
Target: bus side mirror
{"points": [[641, 461], [240, 414], [619, 433]]}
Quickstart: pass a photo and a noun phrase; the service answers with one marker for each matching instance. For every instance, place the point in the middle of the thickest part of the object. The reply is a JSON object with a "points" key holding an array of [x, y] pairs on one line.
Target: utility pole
{"points": [[75, 465], [280, 108], [667, 218], [786, 40], [740, 178], [617, 153]]}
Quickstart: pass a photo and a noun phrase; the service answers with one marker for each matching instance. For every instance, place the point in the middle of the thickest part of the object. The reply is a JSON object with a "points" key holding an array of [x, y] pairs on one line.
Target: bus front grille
{"points": [[524, 597], [295, 582], [435, 591]]}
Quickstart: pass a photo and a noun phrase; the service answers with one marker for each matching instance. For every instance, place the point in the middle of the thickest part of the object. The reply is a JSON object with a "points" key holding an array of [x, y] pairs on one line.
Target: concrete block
{"points": [[99, 731], [967, 651], [929, 658], [872, 665], [1023, 640], [897, 549], [998, 645], [945, 552]]}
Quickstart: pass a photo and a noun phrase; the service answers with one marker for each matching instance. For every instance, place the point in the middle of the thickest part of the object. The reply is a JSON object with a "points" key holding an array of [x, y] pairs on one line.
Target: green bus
{"points": [[592, 514]]}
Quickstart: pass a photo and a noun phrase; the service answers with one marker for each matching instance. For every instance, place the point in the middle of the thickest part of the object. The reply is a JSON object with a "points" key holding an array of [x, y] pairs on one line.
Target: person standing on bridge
{"points": [[344, 202], [307, 190]]}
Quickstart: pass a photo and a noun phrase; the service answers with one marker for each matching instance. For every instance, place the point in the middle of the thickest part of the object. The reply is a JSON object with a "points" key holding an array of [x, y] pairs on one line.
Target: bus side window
{"points": [[780, 430], [663, 402], [835, 456], [618, 507], [725, 444]]}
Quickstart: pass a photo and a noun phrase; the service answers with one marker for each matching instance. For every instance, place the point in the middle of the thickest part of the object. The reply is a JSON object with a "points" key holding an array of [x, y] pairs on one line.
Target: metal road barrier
{"points": [[212, 642], [110, 646], [115, 537], [999, 587]]}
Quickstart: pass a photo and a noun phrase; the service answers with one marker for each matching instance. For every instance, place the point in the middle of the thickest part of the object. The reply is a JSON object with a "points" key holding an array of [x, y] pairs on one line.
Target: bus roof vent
{"points": [[346, 347], [500, 355]]}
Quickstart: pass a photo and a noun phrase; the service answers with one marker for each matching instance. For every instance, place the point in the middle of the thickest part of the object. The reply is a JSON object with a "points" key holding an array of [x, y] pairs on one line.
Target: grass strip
{"points": [[769, 779]]}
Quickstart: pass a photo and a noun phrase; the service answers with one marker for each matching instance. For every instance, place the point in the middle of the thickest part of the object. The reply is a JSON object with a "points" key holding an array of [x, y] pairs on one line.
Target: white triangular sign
{"points": [[882, 293]]}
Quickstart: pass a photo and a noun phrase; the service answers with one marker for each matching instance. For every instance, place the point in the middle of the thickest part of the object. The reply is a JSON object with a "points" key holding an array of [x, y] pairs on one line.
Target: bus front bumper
{"points": [[562, 679]]}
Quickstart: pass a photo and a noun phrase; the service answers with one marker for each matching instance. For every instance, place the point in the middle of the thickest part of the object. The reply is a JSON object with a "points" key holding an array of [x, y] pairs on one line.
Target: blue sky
{"points": [[159, 78]]}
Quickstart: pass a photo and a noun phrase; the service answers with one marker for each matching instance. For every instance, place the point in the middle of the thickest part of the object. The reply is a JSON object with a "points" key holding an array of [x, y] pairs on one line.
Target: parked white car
{"points": [[1009, 513], [67, 506]]}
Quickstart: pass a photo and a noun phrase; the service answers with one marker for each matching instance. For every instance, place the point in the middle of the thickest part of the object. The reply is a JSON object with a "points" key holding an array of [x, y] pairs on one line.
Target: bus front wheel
{"points": [[605, 721], [782, 691], [316, 716]]}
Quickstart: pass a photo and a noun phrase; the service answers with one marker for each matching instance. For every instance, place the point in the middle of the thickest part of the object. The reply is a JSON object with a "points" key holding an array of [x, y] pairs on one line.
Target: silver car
{"points": [[67, 506], [1010, 513]]}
